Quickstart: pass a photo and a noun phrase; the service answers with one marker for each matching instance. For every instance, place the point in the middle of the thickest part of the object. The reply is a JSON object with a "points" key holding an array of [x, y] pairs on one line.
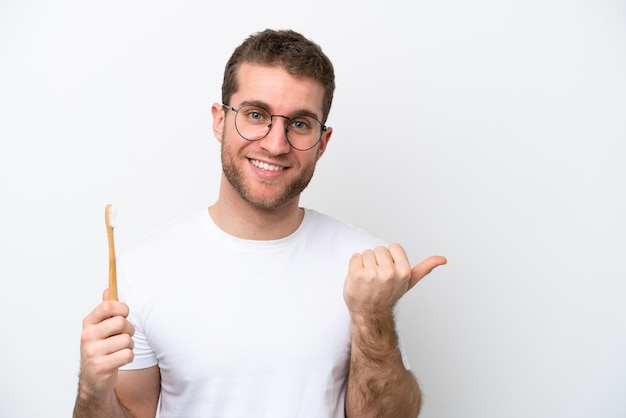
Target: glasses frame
{"points": [[324, 128]]}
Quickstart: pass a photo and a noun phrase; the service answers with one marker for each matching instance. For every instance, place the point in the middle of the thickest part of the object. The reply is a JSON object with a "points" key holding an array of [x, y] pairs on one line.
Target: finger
{"points": [[109, 345], [369, 259], [113, 326], [119, 342], [425, 267], [383, 256], [400, 259], [393, 265], [116, 325], [106, 310], [109, 354], [122, 357], [356, 262]]}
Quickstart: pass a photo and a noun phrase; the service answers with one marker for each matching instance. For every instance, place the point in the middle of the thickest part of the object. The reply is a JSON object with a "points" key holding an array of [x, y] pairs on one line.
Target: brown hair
{"points": [[288, 49]]}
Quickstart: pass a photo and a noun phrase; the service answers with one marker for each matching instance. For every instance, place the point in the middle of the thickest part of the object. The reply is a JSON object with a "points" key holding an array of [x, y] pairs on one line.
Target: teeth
{"points": [[266, 166]]}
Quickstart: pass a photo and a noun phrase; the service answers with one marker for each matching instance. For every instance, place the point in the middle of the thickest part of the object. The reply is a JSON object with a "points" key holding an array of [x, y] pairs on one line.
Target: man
{"points": [[256, 307]]}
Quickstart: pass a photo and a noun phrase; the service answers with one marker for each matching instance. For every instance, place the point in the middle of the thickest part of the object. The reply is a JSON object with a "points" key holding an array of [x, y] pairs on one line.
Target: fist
{"points": [[378, 278]]}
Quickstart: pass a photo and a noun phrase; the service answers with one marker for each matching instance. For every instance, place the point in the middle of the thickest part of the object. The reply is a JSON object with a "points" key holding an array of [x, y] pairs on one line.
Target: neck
{"points": [[239, 218]]}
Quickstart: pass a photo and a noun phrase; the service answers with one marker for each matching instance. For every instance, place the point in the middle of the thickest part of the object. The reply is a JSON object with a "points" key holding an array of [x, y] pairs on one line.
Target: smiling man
{"points": [[257, 307]]}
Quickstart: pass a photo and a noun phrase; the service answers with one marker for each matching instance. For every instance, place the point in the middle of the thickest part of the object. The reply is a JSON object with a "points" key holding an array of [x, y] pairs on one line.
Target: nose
{"points": [[276, 139]]}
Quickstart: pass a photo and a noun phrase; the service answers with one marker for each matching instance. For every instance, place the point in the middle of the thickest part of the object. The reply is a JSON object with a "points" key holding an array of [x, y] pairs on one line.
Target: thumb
{"points": [[105, 295], [422, 269]]}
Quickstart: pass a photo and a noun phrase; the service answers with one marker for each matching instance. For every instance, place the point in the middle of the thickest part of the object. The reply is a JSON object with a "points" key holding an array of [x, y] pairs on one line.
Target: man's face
{"points": [[269, 173]]}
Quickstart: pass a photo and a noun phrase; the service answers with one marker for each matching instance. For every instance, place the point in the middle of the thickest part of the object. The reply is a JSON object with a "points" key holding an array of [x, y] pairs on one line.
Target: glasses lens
{"points": [[252, 123], [303, 132]]}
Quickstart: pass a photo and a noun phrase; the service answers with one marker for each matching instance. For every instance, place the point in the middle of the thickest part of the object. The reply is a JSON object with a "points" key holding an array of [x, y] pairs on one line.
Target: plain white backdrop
{"points": [[492, 132]]}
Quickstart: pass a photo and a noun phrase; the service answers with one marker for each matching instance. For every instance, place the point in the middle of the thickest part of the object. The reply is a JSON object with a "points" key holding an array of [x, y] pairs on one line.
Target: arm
{"points": [[106, 345], [139, 390], [378, 384]]}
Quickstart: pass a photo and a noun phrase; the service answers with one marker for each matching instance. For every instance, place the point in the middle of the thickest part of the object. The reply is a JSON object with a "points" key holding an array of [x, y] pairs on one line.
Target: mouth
{"points": [[265, 166]]}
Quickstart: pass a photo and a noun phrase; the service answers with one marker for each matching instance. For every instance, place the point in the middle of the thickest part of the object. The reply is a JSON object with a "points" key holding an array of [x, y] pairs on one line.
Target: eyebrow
{"points": [[265, 106]]}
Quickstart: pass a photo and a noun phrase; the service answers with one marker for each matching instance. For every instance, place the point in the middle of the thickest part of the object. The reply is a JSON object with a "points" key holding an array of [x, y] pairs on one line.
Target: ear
{"points": [[324, 141], [219, 116]]}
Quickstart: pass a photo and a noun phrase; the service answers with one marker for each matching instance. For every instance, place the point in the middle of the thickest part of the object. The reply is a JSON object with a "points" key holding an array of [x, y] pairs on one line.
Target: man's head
{"points": [[285, 48], [277, 85]]}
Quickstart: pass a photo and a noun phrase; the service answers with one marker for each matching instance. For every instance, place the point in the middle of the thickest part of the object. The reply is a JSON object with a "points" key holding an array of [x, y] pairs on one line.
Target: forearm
{"points": [[87, 406], [379, 385]]}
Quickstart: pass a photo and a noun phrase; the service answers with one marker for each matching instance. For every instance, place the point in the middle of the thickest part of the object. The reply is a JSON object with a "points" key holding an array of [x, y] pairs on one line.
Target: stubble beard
{"points": [[235, 177]]}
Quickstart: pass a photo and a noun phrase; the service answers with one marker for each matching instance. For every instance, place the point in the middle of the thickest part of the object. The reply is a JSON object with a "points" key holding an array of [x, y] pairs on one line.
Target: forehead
{"points": [[282, 92]]}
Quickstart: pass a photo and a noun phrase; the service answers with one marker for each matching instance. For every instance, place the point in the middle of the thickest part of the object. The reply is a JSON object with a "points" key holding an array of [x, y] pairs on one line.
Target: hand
{"points": [[105, 345], [378, 278]]}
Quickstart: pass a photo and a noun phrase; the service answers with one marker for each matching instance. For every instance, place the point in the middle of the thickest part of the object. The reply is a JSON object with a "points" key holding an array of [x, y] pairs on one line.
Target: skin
{"points": [[260, 204], [379, 385], [106, 345]]}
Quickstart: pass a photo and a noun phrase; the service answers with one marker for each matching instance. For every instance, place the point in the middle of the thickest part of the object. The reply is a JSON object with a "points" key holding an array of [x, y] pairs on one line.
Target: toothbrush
{"points": [[109, 218]]}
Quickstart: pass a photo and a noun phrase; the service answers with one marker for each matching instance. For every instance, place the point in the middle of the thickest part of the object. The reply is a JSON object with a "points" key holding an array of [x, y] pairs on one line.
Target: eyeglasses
{"points": [[253, 123]]}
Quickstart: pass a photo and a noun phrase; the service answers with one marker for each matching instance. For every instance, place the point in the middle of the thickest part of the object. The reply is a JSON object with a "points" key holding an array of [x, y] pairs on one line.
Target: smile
{"points": [[265, 166]]}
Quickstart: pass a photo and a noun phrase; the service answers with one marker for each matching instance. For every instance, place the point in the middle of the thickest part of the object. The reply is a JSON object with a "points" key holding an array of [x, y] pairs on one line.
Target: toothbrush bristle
{"points": [[112, 212]]}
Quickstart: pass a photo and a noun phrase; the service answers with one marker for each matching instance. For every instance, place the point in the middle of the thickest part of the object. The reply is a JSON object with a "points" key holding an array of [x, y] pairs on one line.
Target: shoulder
{"points": [[171, 233], [339, 231]]}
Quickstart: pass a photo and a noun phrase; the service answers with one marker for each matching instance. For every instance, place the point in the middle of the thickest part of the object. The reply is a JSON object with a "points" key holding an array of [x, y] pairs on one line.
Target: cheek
{"points": [[310, 160], [230, 135], [319, 152]]}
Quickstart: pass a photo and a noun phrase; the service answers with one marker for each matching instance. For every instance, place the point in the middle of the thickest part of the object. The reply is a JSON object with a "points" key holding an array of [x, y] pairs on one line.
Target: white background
{"points": [[491, 132]]}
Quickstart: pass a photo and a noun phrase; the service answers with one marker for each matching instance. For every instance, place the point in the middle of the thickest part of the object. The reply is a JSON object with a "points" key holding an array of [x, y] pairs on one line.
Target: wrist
{"points": [[374, 335], [375, 323]]}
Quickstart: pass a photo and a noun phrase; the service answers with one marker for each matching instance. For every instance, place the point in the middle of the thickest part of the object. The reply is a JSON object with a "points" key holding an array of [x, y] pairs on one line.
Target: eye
{"points": [[301, 123], [255, 115]]}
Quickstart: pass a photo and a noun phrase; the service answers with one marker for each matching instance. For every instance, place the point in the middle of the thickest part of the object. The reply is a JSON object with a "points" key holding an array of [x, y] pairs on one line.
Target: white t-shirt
{"points": [[243, 328]]}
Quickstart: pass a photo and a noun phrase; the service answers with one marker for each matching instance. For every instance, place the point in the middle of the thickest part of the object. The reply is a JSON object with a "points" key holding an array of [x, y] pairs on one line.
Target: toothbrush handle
{"points": [[112, 266]]}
